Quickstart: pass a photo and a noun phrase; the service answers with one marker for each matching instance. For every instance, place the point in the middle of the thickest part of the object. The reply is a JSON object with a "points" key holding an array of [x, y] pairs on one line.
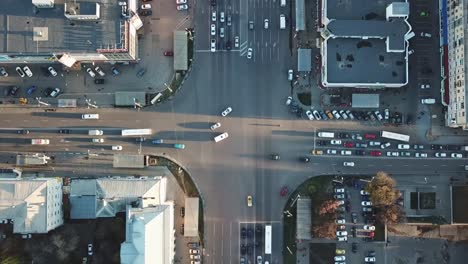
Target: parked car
{"points": [[366, 203], [335, 142], [336, 114], [341, 233], [31, 89], [13, 90], [403, 146], [289, 100], [249, 53], [309, 115], [179, 146], [368, 227], [99, 81], [386, 145], [339, 190], [52, 71], [376, 153], [3, 72], [168, 53], [348, 164], [20, 72], [27, 71], [456, 155], [100, 71], [441, 155], [90, 249], [90, 72], [316, 115], [420, 155]]}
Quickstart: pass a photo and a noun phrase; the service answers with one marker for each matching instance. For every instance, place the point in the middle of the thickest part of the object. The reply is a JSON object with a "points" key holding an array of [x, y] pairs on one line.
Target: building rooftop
{"points": [[363, 61], [365, 43], [49, 31]]}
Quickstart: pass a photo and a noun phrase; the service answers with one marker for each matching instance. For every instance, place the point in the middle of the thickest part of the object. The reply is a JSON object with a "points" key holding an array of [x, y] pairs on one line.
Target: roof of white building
{"points": [[92, 198], [149, 235], [34, 205]]}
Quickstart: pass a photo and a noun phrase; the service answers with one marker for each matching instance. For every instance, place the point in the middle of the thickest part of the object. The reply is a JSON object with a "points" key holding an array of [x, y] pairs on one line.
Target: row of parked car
{"points": [[341, 114]]}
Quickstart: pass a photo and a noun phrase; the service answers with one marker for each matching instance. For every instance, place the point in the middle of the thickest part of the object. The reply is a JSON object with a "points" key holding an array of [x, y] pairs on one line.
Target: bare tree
{"points": [[382, 190]]}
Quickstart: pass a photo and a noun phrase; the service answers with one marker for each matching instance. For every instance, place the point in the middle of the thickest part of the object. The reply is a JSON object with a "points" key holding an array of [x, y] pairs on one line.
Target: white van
{"points": [[95, 132], [221, 137], [90, 116], [282, 21], [283, 3], [156, 98], [428, 101]]}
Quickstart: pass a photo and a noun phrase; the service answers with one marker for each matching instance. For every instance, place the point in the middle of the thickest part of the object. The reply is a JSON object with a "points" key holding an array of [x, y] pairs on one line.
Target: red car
{"points": [[376, 153], [348, 144], [284, 191], [169, 53], [370, 136]]}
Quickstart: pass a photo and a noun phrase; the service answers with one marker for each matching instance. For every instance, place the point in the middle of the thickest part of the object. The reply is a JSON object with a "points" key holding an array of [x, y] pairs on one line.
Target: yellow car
{"points": [[249, 201], [340, 251], [317, 152]]}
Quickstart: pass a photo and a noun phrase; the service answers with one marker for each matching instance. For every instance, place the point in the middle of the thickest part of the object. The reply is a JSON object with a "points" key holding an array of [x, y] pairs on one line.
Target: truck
{"points": [[282, 21], [39, 141], [32, 160], [95, 132], [326, 134], [137, 132]]}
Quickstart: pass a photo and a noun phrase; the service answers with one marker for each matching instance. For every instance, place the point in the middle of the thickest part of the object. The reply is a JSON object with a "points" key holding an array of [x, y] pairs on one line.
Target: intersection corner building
{"points": [[365, 43]]}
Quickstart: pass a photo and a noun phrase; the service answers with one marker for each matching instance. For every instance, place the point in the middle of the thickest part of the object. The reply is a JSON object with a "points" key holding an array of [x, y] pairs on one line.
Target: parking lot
{"points": [[356, 233]]}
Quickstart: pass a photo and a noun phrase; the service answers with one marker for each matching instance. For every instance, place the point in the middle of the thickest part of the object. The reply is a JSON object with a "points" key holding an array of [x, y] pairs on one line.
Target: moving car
{"points": [[213, 29], [221, 17], [339, 196], [341, 233], [227, 111], [366, 203], [340, 251], [335, 142], [213, 45], [346, 152], [249, 53], [179, 146], [339, 190], [340, 221], [425, 35], [213, 16], [157, 141], [456, 155], [342, 238], [375, 153], [181, 2], [393, 154], [331, 151], [369, 259], [145, 6], [90, 249], [368, 227], [265, 23], [215, 126], [251, 25], [340, 258], [249, 201], [116, 147], [348, 164], [115, 71], [168, 53], [275, 156], [290, 75], [236, 41], [420, 155], [221, 32], [386, 145], [441, 155], [403, 146], [221, 137], [52, 71], [98, 140], [289, 100]]}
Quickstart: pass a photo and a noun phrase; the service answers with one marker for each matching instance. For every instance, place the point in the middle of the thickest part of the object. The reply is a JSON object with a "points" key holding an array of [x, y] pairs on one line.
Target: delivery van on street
{"points": [[282, 21]]}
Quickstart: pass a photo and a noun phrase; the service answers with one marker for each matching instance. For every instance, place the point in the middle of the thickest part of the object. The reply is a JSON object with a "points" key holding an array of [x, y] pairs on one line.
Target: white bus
{"points": [[137, 132], [267, 239], [395, 136]]}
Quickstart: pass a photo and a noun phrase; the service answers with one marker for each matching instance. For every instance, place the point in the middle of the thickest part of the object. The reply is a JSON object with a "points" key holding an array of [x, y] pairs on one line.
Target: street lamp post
{"points": [[169, 88]]}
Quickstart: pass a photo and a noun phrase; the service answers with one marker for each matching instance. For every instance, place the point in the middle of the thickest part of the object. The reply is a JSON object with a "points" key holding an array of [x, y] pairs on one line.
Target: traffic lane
{"points": [[402, 166]]}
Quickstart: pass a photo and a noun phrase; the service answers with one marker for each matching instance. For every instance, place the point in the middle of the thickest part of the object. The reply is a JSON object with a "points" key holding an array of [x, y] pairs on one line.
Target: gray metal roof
{"points": [[191, 217], [304, 219], [365, 101], [129, 161], [351, 60], [83, 207], [400, 9], [304, 60], [395, 30], [128, 98], [180, 50], [300, 15]]}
